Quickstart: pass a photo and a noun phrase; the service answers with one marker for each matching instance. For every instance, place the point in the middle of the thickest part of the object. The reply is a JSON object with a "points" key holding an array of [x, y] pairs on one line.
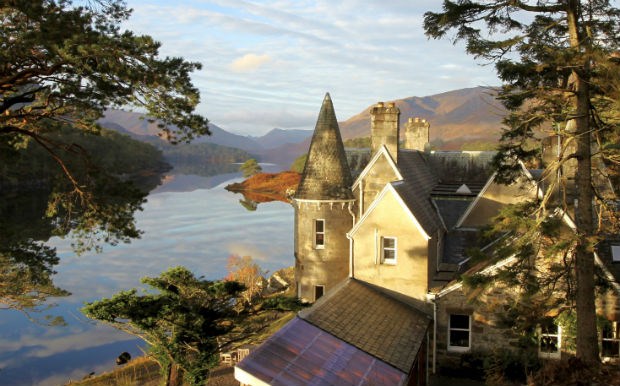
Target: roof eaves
{"points": [[597, 259], [490, 269]]}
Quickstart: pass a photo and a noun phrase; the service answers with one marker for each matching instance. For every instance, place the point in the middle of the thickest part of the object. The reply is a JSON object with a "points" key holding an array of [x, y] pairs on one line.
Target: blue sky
{"points": [[268, 64]]}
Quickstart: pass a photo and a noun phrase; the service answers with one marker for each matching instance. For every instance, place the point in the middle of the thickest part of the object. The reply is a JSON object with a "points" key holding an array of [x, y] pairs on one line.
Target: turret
{"points": [[323, 214]]}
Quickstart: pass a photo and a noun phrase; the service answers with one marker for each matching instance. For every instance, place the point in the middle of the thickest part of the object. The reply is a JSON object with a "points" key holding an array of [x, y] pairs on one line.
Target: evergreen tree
{"points": [[63, 64], [250, 167], [558, 62], [181, 321]]}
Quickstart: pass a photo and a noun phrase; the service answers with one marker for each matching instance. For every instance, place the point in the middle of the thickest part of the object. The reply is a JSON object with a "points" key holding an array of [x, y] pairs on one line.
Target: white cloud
{"points": [[249, 62], [288, 53]]}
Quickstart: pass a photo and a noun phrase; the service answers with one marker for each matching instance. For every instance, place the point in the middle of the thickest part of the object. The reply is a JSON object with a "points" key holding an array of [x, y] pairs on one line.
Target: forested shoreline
{"points": [[32, 167]]}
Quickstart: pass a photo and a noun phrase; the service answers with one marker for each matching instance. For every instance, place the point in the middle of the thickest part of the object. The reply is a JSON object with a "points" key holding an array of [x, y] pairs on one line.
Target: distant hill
{"points": [[275, 146], [456, 117], [278, 137]]}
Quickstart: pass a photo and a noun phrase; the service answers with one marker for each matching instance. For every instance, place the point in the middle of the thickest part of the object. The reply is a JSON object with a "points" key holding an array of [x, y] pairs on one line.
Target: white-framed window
{"points": [[550, 340], [319, 290], [610, 340], [319, 233], [388, 250], [459, 332]]}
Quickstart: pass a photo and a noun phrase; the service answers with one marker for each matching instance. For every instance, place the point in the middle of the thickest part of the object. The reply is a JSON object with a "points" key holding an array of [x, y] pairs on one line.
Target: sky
{"points": [[268, 64]]}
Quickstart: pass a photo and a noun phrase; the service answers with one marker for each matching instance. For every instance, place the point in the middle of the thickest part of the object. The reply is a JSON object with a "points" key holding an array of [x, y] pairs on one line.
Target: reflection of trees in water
{"points": [[251, 199], [248, 204], [26, 270], [205, 169], [28, 219]]}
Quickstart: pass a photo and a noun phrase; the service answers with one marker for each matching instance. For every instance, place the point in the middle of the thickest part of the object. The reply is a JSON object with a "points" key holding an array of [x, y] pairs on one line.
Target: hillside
{"points": [[456, 117]]}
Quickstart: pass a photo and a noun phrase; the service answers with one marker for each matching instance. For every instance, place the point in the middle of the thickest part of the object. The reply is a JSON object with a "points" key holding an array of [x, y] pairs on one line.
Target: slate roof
{"points": [[326, 175], [372, 321], [303, 354], [418, 182], [437, 176]]}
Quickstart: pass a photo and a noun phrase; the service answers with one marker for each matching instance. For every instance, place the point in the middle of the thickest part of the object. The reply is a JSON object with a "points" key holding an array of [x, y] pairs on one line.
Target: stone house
{"points": [[380, 257]]}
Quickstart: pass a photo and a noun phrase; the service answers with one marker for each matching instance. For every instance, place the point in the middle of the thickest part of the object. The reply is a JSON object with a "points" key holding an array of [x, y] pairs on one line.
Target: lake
{"points": [[190, 221]]}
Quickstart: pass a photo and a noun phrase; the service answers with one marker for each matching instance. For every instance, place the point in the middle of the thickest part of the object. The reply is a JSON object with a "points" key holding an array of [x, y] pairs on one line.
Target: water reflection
{"points": [[197, 228], [28, 219]]}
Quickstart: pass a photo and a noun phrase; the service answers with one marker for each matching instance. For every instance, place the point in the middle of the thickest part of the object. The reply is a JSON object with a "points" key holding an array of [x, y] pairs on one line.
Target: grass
{"points": [[142, 371]]}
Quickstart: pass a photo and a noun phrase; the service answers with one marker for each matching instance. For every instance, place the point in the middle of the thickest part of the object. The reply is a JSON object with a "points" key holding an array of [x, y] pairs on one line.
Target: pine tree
{"points": [[181, 321], [63, 64], [558, 63]]}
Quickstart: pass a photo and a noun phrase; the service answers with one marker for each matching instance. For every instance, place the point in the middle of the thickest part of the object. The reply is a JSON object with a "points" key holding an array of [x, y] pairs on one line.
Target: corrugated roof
{"points": [[302, 354], [372, 321], [326, 175]]}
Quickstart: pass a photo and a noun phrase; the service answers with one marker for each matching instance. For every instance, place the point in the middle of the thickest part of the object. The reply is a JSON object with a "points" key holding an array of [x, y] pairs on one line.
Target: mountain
{"points": [[132, 123], [456, 117], [278, 137]]}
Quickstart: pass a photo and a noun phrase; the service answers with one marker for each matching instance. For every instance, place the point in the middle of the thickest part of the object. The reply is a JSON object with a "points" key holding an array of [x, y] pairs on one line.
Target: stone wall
{"points": [[325, 266], [487, 334]]}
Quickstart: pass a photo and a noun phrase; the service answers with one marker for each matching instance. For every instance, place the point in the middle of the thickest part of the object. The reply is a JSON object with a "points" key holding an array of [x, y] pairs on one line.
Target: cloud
{"points": [[280, 56], [249, 62]]}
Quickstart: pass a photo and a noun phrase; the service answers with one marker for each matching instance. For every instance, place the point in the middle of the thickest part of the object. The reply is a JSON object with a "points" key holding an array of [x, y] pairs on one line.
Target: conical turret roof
{"points": [[326, 175]]}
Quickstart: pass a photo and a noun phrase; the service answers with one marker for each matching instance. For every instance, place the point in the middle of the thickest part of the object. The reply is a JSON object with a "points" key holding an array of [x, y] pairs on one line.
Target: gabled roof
{"points": [[303, 354], [382, 152], [326, 175], [372, 321], [391, 189]]}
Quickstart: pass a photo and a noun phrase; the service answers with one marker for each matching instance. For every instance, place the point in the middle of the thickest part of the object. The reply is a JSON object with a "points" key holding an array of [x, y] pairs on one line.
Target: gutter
{"points": [[432, 297]]}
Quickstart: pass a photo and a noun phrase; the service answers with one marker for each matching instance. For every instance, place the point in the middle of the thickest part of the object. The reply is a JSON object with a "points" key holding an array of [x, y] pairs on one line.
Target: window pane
{"points": [[318, 291], [389, 242], [389, 254], [320, 239], [319, 225], [611, 348], [459, 338], [549, 344], [459, 321]]}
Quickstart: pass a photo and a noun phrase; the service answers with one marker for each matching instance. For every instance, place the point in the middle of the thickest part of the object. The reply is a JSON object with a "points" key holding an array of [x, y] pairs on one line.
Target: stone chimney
{"points": [[417, 134], [384, 128]]}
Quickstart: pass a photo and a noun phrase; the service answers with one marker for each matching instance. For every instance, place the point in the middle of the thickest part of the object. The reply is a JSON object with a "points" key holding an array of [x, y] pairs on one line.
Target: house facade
{"points": [[392, 243]]}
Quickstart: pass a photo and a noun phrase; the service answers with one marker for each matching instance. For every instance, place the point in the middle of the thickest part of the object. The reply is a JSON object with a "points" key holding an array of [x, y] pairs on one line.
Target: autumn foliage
{"points": [[263, 187], [245, 270]]}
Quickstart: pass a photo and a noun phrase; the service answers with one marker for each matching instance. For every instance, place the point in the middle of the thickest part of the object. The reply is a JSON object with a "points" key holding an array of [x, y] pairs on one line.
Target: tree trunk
{"points": [[175, 375], [587, 340]]}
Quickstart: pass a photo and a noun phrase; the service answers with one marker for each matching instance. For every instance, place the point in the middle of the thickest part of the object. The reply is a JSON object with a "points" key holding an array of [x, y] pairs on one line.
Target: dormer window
{"points": [[388, 250], [319, 234]]}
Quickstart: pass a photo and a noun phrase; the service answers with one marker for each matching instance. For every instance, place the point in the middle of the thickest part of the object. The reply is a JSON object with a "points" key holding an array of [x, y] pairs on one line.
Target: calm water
{"points": [[190, 221]]}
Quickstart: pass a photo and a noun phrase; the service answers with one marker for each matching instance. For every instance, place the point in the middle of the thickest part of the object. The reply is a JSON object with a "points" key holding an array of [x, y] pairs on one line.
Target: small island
{"points": [[265, 187]]}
